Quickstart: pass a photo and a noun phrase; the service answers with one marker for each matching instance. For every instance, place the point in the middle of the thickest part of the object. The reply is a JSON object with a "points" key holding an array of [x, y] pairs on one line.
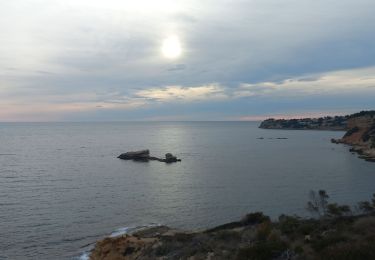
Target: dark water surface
{"points": [[61, 186]]}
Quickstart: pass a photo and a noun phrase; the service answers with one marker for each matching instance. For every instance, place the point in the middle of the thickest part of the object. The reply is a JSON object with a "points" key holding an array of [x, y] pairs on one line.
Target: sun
{"points": [[171, 47]]}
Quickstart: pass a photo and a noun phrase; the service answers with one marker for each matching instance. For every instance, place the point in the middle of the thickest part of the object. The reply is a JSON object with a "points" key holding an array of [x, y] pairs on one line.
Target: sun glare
{"points": [[171, 47]]}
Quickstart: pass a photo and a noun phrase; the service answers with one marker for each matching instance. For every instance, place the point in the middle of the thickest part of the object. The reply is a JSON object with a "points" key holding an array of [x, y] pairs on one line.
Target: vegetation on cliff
{"points": [[322, 123], [337, 232], [370, 113]]}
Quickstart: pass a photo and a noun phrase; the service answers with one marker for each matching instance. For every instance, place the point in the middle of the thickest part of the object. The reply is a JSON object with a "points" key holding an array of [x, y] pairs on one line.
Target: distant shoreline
{"points": [[307, 129], [337, 123], [359, 127]]}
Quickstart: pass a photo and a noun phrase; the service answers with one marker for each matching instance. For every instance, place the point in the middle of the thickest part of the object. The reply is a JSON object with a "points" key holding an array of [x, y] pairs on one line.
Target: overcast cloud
{"points": [[102, 60]]}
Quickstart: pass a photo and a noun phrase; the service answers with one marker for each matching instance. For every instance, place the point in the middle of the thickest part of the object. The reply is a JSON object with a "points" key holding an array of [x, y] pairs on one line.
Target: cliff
{"points": [[361, 134]]}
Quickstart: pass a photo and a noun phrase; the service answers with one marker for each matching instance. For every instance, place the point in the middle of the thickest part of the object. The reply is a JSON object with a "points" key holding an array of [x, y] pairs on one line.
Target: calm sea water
{"points": [[62, 187]]}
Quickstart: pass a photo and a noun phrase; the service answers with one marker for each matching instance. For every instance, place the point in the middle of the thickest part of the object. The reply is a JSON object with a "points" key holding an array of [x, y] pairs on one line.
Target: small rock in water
{"points": [[144, 156], [170, 158]]}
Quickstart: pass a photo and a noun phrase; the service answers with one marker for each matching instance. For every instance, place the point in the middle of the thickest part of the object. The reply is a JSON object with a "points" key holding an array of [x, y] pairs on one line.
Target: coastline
{"points": [[256, 236], [359, 127], [306, 129], [334, 235], [337, 123]]}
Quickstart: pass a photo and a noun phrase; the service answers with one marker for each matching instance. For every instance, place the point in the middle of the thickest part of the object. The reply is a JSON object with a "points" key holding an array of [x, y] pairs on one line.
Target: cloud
{"points": [[184, 94], [177, 67], [331, 87], [337, 82], [58, 57], [249, 90]]}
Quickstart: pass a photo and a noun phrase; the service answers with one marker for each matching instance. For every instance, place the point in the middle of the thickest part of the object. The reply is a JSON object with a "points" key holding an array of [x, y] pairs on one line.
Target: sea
{"points": [[62, 186]]}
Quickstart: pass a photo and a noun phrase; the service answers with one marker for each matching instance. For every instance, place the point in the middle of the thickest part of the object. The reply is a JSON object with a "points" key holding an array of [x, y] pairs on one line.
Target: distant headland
{"points": [[322, 123], [360, 129]]}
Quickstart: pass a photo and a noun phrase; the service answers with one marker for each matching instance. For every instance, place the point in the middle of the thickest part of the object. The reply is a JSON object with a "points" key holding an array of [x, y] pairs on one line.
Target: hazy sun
{"points": [[171, 47]]}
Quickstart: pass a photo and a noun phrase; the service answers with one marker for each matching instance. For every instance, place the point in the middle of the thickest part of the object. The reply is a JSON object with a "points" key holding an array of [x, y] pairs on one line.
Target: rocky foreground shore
{"points": [[254, 237], [338, 232]]}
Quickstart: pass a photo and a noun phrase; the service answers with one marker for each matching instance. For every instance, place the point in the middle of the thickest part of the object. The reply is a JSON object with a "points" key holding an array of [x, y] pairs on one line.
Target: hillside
{"points": [[322, 123], [361, 135], [336, 234], [360, 129]]}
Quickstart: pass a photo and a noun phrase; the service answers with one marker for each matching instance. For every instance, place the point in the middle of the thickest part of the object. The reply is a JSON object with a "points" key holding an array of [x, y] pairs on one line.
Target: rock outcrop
{"points": [[144, 156], [361, 135], [162, 242], [255, 237]]}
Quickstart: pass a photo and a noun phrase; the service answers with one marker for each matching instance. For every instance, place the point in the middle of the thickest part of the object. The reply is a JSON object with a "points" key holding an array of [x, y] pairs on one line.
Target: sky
{"points": [[166, 60]]}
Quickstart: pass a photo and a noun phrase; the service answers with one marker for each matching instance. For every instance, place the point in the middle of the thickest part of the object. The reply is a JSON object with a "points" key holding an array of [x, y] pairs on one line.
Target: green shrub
{"points": [[348, 251], [373, 142], [365, 225], [335, 210], [345, 209], [298, 249], [365, 206], [289, 224], [307, 227], [274, 236], [182, 237], [228, 235], [263, 230], [255, 218], [264, 250], [323, 242], [363, 113], [163, 249]]}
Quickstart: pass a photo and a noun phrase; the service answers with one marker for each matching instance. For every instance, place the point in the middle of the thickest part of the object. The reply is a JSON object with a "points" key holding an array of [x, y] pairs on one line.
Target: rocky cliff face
{"points": [[361, 130], [361, 135]]}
